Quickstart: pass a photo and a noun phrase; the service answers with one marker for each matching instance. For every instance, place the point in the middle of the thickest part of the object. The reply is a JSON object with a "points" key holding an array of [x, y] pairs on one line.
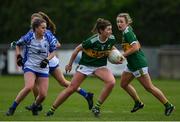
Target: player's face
{"points": [[41, 29], [121, 23], [107, 31]]}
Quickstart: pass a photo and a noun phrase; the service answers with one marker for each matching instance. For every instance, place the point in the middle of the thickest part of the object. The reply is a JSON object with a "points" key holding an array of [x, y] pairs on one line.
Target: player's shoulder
{"points": [[93, 38], [50, 37], [48, 33], [28, 36], [128, 29]]}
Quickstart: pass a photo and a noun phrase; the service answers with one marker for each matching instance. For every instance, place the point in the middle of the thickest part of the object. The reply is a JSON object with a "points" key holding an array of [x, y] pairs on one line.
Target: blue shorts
{"points": [[51, 69], [36, 73]]}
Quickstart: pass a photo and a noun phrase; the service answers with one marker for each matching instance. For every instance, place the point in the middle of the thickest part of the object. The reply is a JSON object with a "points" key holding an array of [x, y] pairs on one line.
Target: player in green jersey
{"points": [[137, 66], [93, 61]]}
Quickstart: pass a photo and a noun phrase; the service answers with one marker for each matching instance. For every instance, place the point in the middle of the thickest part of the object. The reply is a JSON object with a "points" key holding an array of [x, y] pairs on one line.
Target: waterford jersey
{"points": [[136, 60], [36, 50], [95, 52]]}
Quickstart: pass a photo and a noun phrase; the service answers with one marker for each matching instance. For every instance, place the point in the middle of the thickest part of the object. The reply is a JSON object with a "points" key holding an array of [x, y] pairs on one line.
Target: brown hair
{"points": [[37, 22], [101, 24], [50, 25]]}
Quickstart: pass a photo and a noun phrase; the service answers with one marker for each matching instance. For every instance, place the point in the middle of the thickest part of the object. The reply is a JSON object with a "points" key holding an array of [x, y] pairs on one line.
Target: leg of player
{"points": [[35, 93], [75, 83], [107, 77], [145, 80], [43, 84], [58, 75], [29, 78], [126, 78]]}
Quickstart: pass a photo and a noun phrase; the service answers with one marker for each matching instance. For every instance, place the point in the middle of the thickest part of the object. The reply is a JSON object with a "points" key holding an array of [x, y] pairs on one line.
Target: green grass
{"points": [[116, 107]]}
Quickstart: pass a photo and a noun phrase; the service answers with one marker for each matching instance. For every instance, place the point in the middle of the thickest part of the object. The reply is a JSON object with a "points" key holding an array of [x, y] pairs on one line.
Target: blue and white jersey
{"points": [[34, 50]]}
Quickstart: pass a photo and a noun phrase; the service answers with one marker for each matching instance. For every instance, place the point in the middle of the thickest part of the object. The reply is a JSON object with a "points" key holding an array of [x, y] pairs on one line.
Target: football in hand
{"points": [[115, 56]]}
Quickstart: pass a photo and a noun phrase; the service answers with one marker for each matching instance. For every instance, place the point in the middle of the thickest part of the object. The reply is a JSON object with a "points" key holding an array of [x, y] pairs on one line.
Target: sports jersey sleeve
{"points": [[113, 39], [87, 44], [130, 37], [52, 41], [25, 39], [49, 33]]}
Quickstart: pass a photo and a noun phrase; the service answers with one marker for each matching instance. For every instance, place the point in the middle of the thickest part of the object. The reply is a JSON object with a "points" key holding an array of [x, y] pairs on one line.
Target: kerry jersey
{"points": [[136, 60], [95, 52]]}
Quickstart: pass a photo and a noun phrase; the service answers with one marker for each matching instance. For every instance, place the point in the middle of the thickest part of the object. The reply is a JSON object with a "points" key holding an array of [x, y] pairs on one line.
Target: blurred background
{"points": [[156, 24]]}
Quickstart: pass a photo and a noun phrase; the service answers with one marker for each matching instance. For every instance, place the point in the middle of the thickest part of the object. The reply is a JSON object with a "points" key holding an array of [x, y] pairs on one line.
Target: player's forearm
{"points": [[51, 55], [18, 51], [133, 49], [74, 54], [73, 57]]}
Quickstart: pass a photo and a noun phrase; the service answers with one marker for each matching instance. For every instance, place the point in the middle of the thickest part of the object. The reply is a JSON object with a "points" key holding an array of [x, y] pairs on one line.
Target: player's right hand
{"points": [[19, 60], [68, 68]]}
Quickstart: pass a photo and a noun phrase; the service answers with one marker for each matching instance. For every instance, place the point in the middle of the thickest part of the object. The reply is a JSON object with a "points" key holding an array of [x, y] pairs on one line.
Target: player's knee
{"points": [[111, 83], [29, 87], [123, 84]]}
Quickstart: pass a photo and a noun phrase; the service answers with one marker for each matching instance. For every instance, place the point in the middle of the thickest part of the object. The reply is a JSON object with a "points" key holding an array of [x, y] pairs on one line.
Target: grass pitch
{"points": [[116, 108]]}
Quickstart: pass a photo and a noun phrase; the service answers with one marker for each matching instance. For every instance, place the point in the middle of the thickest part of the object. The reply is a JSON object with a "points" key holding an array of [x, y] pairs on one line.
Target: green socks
{"points": [[167, 104], [98, 104], [52, 109]]}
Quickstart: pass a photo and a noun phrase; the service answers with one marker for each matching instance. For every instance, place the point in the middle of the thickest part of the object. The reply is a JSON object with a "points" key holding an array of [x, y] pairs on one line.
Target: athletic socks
{"points": [[98, 104], [83, 93], [167, 104], [14, 105], [52, 109]]}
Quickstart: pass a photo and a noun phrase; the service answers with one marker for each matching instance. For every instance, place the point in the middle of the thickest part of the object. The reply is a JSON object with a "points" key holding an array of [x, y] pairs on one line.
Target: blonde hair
{"points": [[127, 17], [36, 15]]}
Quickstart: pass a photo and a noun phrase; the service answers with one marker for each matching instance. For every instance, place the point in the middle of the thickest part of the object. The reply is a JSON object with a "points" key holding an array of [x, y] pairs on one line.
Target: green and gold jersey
{"points": [[137, 60], [95, 52]]}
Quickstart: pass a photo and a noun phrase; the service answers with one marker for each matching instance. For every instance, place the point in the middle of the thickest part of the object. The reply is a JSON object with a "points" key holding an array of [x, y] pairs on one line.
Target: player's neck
{"points": [[102, 38], [38, 37]]}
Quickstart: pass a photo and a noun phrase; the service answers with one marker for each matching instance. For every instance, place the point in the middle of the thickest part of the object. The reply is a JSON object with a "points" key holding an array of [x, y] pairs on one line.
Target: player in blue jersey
{"points": [[55, 70], [38, 49]]}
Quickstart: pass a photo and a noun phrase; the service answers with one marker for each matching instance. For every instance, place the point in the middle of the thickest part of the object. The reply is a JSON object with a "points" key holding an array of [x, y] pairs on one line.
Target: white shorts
{"points": [[87, 70], [53, 62], [139, 72]]}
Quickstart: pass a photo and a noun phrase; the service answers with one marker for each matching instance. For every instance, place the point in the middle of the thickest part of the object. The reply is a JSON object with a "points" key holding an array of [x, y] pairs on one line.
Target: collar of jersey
{"points": [[35, 37], [100, 40]]}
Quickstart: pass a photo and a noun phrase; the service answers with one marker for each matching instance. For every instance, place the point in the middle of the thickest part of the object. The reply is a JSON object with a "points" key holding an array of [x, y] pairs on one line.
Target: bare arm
{"points": [[134, 47], [58, 45], [51, 55], [73, 57], [18, 51]]}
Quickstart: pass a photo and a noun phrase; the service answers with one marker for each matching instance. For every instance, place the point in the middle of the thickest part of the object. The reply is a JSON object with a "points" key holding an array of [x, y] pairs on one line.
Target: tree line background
{"points": [[156, 22]]}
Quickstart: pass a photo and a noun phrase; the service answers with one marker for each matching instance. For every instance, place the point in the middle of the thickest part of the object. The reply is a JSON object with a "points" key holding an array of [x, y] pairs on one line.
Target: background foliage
{"points": [[155, 22]]}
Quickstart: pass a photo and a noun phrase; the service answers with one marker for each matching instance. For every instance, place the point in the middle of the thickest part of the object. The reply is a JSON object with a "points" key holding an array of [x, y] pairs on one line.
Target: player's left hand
{"points": [[44, 63]]}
